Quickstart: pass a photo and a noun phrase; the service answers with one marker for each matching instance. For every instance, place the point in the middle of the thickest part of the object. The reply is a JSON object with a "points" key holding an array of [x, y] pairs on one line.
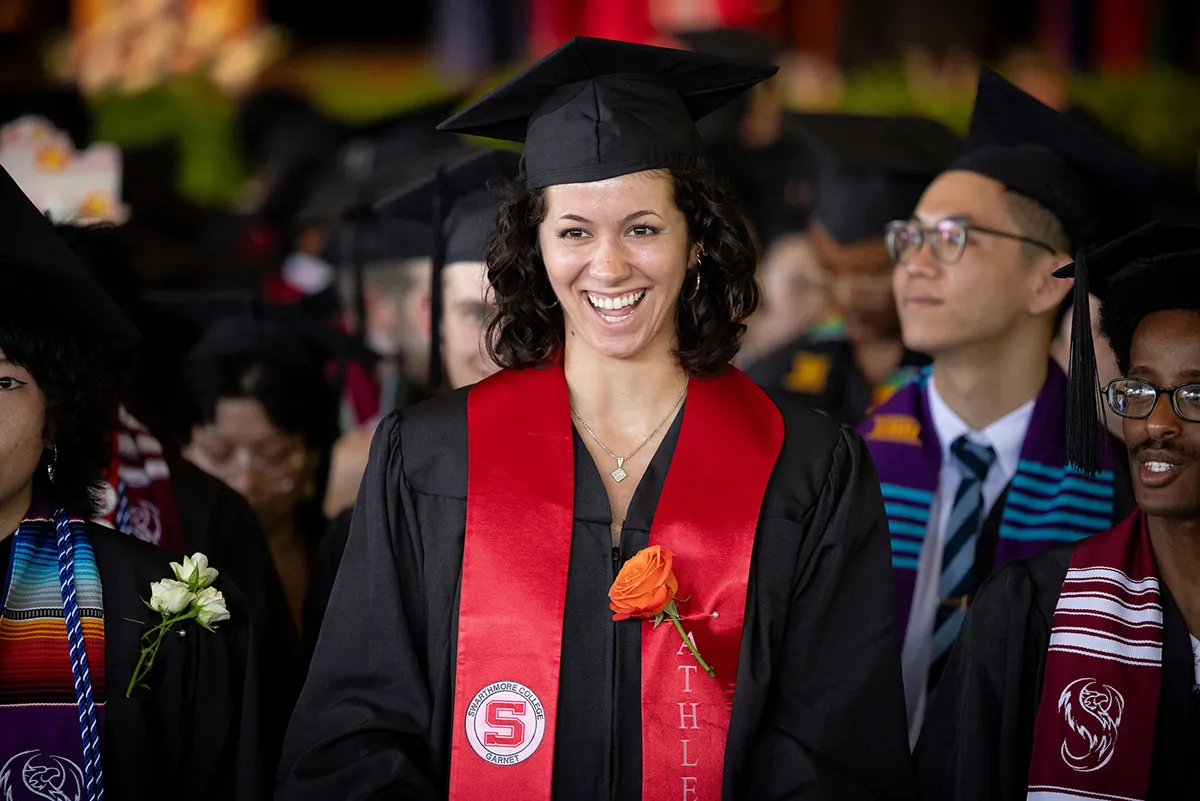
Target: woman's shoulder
{"points": [[128, 566], [429, 441]]}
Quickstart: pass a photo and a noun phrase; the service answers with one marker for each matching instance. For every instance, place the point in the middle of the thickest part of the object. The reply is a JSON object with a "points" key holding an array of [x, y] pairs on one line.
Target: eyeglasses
{"points": [[222, 461], [1136, 399], [947, 239]]}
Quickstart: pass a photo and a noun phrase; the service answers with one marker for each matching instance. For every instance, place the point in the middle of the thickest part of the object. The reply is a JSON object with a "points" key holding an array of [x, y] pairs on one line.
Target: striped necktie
{"points": [[957, 581]]}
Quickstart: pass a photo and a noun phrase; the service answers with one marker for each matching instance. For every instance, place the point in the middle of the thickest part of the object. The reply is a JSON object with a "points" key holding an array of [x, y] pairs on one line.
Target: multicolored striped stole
{"points": [[52, 669], [1047, 502]]}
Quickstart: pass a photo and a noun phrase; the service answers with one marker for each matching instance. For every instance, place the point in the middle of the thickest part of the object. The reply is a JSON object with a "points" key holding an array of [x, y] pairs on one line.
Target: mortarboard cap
{"points": [[467, 197], [597, 109], [29, 240], [738, 44], [1091, 184], [459, 201], [399, 138], [1166, 255], [871, 170], [243, 326], [1094, 187]]}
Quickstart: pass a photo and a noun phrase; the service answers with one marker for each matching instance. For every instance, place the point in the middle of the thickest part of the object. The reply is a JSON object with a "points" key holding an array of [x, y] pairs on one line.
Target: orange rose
{"points": [[645, 587]]}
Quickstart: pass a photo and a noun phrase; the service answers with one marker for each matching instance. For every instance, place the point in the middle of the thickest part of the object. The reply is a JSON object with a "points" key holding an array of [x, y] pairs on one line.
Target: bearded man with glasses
{"points": [[1076, 672], [972, 456]]}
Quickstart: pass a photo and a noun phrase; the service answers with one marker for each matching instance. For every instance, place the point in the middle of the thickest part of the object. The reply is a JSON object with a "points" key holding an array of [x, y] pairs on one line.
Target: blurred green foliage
{"points": [[1158, 113]]}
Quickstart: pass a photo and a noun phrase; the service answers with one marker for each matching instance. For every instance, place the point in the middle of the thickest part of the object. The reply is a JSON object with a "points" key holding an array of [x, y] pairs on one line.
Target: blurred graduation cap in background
{"points": [[596, 109], [29, 239], [458, 203], [737, 44], [1097, 189], [870, 169]]}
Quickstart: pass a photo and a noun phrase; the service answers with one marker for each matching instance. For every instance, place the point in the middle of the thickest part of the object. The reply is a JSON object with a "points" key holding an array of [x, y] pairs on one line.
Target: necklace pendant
{"points": [[619, 474]]}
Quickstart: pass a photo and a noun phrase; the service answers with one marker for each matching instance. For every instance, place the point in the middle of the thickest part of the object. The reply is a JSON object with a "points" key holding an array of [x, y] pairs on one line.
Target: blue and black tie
{"points": [[958, 581]]}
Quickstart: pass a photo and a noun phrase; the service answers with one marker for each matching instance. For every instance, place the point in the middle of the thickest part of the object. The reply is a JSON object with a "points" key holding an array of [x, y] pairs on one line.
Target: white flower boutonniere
{"points": [[188, 596]]}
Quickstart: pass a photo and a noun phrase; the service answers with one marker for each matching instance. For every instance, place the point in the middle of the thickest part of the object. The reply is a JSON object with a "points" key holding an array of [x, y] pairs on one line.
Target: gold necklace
{"points": [[619, 474]]}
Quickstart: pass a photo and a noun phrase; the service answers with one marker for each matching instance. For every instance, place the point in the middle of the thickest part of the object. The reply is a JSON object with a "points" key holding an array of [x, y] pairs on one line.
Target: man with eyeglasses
{"points": [[972, 456], [870, 170], [1075, 675]]}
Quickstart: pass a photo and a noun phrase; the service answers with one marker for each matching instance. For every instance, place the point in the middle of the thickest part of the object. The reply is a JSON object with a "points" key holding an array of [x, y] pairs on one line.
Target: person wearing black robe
{"points": [[209, 516], [979, 734], [817, 711], [191, 726]]}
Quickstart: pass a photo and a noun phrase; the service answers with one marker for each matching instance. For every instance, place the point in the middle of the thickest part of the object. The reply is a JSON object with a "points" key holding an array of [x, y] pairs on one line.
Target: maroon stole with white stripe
{"points": [[1094, 735]]}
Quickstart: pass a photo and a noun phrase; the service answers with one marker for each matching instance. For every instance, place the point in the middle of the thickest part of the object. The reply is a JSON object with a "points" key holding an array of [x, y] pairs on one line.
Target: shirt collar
{"points": [[1005, 436]]}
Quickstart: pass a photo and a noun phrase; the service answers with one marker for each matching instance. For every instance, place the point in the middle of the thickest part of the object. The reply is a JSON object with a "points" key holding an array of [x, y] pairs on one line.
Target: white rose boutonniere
{"points": [[195, 571], [188, 596]]}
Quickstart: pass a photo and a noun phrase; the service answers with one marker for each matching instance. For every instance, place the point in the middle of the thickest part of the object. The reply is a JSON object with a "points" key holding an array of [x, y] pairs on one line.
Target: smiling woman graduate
{"points": [[1076, 672], [469, 651]]}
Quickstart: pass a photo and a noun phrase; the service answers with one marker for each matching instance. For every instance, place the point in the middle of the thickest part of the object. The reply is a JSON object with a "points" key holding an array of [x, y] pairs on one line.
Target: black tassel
{"points": [[1084, 412], [436, 369]]}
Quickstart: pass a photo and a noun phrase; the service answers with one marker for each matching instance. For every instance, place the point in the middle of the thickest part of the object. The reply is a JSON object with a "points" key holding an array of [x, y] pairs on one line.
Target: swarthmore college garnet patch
{"points": [[505, 723]]}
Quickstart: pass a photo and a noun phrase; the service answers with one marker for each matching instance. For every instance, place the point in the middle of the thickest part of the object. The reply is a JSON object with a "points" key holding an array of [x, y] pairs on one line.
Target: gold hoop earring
{"points": [[548, 308], [689, 297]]}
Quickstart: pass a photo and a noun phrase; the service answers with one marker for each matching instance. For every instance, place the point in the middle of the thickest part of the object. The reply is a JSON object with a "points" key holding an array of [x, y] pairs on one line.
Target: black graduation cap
{"points": [[738, 44], [460, 201], [398, 139], [28, 239], [596, 109], [871, 170], [1166, 255], [466, 193], [1095, 188], [244, 326]]}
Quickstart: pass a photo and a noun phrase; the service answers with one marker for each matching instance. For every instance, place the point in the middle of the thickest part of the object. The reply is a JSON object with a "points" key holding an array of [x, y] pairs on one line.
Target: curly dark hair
{"points": [[525, 331], [1141, 295], [74, 378]]}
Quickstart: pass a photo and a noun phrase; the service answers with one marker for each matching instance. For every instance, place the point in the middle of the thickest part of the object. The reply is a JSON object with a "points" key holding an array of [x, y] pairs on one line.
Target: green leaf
{"points": [[658, 619]]}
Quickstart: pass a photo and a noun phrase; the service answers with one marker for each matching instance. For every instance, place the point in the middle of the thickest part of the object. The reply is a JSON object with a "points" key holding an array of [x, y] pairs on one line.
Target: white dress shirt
{"points": [[1005, 437]]}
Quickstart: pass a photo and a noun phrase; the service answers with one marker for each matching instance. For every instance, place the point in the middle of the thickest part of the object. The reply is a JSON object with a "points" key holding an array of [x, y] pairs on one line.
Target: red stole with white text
{"points": [[511, 622]]}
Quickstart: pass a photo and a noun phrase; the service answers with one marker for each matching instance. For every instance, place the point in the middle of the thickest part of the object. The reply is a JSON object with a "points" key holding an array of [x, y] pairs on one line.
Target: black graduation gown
{"points": [[819, 709], [218, 522], [194, 734], [845, 394], [977, 738]]}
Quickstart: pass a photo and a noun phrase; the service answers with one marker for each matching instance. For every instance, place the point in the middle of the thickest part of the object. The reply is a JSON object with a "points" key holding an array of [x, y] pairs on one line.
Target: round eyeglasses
{"points": [[947, 239], [1136, 399]]}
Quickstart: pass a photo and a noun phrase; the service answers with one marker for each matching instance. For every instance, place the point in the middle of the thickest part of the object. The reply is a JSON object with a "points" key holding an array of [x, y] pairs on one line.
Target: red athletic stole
{"points": [[520, 512]]}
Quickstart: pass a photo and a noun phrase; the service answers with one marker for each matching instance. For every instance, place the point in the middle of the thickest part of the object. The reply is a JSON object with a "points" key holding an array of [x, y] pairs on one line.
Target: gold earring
{"points": [[695, 287]]}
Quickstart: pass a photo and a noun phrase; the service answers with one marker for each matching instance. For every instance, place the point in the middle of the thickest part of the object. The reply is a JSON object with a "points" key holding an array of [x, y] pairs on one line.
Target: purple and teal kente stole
{"points": [[51, 663], [1047, 503]]}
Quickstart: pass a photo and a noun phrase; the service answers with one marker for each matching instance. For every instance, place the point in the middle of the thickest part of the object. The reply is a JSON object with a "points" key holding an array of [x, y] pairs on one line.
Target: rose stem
{"points": [[692, 648]]}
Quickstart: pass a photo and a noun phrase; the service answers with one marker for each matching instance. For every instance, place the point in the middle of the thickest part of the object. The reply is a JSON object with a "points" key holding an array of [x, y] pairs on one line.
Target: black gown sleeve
{"points": [[836, 726], [976, 739], [362, 725]]}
